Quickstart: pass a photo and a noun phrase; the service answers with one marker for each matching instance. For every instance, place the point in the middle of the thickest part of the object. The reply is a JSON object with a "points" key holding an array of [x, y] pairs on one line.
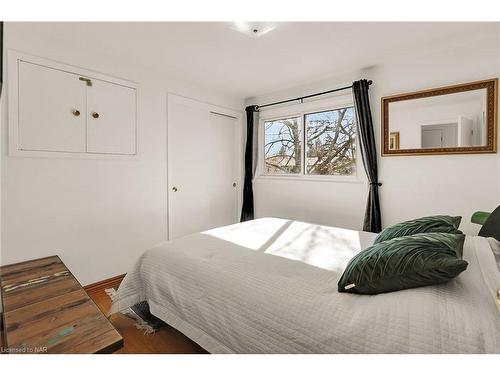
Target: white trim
{"points": [[13, 59], [18, 55], [309, 106], [239, 139], [174, 98], [300, 110], [310, 178]]}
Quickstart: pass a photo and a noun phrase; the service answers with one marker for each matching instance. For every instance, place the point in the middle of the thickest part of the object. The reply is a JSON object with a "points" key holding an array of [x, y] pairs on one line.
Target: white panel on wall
{"points": [[58, 110], [111, 118], [48, 101]]}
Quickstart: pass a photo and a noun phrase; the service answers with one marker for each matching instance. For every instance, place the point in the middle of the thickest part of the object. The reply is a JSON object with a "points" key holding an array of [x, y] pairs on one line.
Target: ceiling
{"points": [[217, 56]]}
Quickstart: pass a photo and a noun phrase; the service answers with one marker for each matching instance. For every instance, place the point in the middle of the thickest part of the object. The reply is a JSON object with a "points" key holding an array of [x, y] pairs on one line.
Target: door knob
{"points": [[75, 112], [95, 115], [174, 189]]}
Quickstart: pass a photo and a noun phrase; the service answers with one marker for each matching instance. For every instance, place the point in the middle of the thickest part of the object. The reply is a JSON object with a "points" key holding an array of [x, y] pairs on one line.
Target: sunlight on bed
{"points": [[251, 234], [320, 246]]}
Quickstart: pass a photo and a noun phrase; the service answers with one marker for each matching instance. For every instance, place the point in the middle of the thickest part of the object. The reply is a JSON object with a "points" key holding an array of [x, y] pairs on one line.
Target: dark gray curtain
{"points": [[372, 221], [247, 210]]}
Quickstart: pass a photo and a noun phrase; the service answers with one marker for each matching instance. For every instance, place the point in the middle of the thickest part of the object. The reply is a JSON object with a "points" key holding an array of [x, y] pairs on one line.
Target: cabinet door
{"points": [[111, 118], [48, 101]]}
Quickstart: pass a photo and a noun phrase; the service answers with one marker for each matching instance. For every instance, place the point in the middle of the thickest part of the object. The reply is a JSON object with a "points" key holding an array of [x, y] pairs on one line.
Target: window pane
{"points": [[282, 152], [331, 142]]}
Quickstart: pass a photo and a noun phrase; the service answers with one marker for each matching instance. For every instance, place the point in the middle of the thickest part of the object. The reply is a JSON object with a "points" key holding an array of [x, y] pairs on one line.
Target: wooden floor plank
{"points": [[166, 340]]}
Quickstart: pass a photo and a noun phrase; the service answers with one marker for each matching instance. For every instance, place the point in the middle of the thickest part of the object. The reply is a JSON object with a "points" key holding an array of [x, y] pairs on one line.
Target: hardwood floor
{"points": [[166, 340]]}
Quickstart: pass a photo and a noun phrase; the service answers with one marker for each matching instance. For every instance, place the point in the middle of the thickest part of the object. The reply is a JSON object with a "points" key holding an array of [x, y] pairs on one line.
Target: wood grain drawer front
{"points": [[30, 282], [61, 324], [47, 310]]}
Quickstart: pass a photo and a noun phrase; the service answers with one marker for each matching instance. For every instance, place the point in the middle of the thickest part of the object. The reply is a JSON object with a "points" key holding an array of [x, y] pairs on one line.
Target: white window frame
{"points": [[300, 110]]}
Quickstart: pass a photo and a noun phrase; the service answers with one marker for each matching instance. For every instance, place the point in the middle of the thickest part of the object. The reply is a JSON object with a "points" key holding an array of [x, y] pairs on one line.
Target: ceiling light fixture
{"points": [[254, 29]]}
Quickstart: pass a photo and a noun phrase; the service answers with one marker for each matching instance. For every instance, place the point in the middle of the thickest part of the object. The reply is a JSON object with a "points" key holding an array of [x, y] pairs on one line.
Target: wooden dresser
{"points": [[46, 310]]}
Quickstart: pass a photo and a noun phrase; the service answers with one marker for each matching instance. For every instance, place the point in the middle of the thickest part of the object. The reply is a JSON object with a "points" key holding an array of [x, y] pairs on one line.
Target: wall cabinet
{"points": [[110, 118], [61, 110]]}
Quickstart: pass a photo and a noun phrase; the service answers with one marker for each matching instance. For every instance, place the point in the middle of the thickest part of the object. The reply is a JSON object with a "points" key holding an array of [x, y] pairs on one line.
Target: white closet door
{"points": [[432, 138], [111, 118], [203, 156], [48, 101]]}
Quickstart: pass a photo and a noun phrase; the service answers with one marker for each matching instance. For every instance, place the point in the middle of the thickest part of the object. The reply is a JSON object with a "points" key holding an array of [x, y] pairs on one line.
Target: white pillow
{"points": [[495, 247]]}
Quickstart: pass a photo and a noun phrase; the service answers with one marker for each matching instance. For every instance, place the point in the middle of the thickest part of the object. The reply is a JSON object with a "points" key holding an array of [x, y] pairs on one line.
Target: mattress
{"points": [[270, 286]]}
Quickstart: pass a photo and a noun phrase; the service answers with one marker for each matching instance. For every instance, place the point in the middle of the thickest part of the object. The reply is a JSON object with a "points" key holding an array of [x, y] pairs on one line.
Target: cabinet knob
{"points": [[95, 115], [234, 184], [174, 189], [75, 112]]}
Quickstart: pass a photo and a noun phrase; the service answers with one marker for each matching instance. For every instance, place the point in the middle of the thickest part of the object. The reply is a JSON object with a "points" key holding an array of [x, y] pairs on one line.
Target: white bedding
{"points": [[270, 286]]}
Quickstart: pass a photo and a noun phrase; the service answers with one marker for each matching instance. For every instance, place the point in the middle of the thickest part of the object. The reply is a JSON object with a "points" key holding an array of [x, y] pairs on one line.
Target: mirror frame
{"points": [[491, 86]]}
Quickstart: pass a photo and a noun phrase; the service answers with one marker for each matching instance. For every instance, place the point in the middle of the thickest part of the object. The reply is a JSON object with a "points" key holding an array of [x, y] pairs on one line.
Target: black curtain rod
{"points": [[307, 96]]}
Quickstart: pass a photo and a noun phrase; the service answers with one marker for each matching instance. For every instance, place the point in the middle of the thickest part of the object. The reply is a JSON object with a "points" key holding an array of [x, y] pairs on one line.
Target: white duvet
{"points": [[270, 286]]}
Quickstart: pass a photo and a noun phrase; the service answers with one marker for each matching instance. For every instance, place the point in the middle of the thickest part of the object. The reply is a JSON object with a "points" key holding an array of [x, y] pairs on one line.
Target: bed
{"points": [[270, 286]]}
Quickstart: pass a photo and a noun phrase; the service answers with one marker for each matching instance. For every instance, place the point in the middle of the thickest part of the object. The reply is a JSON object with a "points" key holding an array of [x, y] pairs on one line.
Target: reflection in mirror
{"points": [[394, 141], [455, 119]]}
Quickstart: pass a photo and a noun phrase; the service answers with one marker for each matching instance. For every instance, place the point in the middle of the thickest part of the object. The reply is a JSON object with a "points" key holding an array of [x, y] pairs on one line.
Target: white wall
{"points": [[98, 215], [413, 186]]}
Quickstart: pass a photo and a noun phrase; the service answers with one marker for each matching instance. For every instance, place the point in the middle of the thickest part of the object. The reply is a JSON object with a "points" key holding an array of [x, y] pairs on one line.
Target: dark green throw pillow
{"points": [[428, 224], [405, 262]]}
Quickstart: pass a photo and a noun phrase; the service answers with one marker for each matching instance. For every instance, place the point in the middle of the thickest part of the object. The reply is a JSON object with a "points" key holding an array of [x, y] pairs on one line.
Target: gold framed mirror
{"points": [[459, 119]]}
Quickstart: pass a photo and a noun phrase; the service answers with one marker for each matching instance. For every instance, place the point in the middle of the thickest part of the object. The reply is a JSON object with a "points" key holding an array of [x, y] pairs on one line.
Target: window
{"points": [[329, 138], [283, 141], [331, 142]]}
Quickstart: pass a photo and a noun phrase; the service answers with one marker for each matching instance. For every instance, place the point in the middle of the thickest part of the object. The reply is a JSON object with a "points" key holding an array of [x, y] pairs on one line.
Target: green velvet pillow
{"points": [[405, 262], [428, 224]]}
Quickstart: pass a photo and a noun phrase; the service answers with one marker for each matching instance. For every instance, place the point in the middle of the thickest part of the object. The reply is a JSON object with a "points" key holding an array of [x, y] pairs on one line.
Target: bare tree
{"points": [[284, 136], [331, 146]]}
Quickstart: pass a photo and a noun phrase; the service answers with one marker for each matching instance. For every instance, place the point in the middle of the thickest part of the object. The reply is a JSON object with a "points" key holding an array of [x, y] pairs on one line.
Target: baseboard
{"points": [[104, 284]]}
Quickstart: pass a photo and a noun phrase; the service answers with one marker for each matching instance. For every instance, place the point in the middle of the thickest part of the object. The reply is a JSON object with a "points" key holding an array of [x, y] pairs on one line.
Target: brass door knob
{"points": [[95, 115], [174, 189], [76, 112]]}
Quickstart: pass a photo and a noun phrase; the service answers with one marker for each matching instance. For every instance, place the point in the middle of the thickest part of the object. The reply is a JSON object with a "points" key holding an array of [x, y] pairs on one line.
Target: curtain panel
{"points": [[247, 209], [372, 221]]}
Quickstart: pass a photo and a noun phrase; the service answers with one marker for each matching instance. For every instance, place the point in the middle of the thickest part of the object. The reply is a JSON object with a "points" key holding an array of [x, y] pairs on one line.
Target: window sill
{"points": [[338, 179]]}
